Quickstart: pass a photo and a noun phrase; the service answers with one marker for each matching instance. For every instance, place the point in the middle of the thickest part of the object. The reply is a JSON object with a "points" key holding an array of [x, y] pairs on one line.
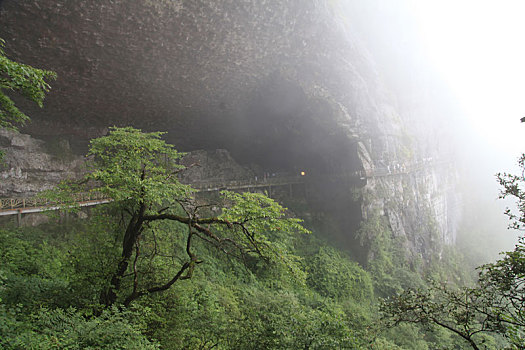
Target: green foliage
{"points": [[227, 305], [265, 227], [512, 186], [388, 264], [39, 267], [501, 285], [163, 223], [28, 81], [280, 320], [43, 274], [461, 311], [335, 276], [69, 329], [384, 344], [230, 314], [29, 272], [136, 167], [407, 336]]}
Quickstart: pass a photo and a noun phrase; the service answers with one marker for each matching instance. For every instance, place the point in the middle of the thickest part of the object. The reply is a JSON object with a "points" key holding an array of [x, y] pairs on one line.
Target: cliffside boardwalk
{"points": [[19, 206]]}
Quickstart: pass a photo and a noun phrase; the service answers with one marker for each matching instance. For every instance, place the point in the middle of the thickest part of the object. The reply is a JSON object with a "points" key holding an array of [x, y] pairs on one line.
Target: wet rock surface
{"points": [[31, 165]]}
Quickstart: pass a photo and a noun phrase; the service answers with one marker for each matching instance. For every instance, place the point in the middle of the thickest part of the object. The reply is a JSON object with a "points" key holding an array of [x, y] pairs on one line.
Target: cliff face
{"points": [[32, 165], [281, 84], [206, 71]]}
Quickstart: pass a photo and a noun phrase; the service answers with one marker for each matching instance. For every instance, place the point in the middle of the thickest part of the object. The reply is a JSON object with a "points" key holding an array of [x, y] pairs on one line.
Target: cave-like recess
{"points": [[213, 74], [283, 131]]}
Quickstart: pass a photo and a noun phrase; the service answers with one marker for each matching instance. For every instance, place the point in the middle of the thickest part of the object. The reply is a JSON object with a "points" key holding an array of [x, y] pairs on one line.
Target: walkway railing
{"points": [[210, 186], [13, 206], [34, 202]]}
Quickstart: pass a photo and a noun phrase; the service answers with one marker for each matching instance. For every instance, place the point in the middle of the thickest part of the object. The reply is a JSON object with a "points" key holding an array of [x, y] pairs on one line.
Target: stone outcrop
{"points": [[214, 166], [423, 207], [30, 165]]}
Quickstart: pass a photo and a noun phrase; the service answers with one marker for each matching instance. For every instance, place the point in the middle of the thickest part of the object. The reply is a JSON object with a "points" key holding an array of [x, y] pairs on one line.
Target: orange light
{"points": [[303, 173]]}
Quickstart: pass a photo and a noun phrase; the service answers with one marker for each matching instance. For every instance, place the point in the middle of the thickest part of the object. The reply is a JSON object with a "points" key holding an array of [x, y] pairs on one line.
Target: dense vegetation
{"points": [[161, 268], [28, 81], [52, 276]]}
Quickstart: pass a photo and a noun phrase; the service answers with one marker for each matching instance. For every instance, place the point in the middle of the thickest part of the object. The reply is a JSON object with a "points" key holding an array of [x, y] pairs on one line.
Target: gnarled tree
{"points": [[138, 171]]}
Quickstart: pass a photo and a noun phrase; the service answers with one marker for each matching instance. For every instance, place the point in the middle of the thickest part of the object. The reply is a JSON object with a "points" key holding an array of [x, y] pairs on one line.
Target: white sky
{"points": [[478, 46]]}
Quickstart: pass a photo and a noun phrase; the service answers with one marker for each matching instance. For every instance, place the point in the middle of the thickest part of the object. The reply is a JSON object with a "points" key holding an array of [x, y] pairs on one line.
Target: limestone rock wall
{"points": [[30, 165], [283, 84], [213, 166], [423, 207], [180, 67]]}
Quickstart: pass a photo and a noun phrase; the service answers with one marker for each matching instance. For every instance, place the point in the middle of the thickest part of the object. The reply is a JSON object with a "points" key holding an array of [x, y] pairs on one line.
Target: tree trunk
{"points": [[109, 296]]}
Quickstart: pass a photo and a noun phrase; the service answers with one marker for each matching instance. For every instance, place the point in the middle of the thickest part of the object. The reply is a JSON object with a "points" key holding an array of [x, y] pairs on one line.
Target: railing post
{"points": [[305, 190]]}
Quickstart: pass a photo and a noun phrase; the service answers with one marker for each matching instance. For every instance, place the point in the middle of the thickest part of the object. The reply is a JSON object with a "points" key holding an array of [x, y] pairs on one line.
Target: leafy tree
{"points": [[513, 188], [26, 80], [455, 310], [163, 220], [503, 286]]}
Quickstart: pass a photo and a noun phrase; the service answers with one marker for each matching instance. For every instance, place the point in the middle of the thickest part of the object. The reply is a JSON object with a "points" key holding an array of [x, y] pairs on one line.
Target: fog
{"points": [[470, 55], [477, 47]]}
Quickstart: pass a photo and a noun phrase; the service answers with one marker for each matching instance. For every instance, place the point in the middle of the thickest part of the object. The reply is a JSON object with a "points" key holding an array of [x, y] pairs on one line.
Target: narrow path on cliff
{"points": [[14, 206]]}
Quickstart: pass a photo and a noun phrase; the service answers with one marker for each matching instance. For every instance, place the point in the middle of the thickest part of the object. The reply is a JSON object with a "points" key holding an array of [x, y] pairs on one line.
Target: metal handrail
{"points": [[13, 204], [39, 202]]}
